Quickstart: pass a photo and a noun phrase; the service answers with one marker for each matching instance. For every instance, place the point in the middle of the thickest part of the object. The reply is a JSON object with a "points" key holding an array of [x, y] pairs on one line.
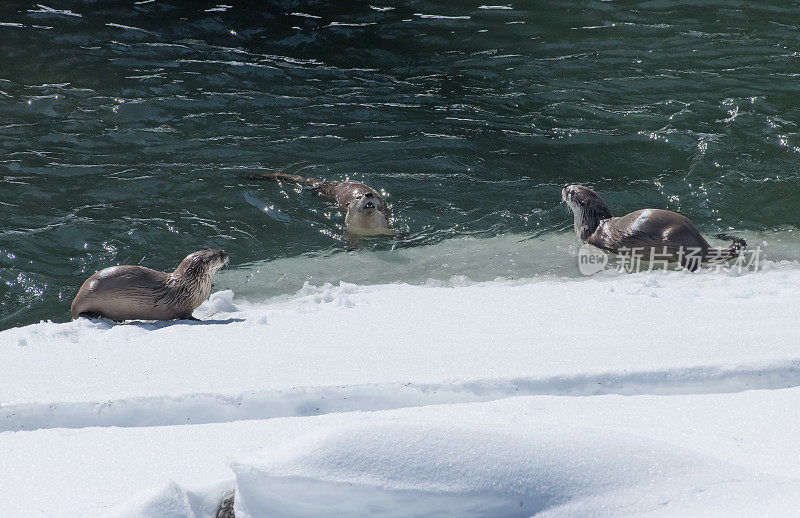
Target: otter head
{"points": [[366, 214], [192, 278], [368, 203], [588, 209]]}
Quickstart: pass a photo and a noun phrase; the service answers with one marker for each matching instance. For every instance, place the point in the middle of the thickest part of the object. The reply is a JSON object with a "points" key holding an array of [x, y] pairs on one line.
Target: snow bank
{"points": [[441, 469], [729, 444], [341, 348], [638, 400], [172, 501]]}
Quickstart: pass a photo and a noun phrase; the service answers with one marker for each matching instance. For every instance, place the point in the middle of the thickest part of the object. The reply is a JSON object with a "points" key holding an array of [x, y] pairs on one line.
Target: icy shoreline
{"points": [[410, 362]]}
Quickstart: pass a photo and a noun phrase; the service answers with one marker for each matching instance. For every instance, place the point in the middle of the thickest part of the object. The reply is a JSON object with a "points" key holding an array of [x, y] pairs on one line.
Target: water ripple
{"points": [[125, 128]]}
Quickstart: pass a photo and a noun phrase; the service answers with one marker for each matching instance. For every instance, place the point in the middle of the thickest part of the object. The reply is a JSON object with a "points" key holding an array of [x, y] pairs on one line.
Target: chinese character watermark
{"points": [[592, 260]]}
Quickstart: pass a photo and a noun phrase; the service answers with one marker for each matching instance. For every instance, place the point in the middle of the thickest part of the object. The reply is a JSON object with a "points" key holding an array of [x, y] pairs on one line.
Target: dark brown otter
{"points": [[138, 293], [648, 233]]}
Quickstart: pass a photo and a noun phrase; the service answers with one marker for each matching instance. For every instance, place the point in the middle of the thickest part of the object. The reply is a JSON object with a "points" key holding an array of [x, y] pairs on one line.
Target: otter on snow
{"points": [[138, 293], [646, 233]]}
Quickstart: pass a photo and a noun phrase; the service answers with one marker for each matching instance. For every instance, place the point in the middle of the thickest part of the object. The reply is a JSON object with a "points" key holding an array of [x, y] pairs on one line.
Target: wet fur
{"points": [[661, 232], [138, 293], [349, 196]]}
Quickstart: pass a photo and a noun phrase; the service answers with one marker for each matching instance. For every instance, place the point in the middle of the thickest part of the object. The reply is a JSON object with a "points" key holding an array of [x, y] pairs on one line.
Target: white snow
{"points": [[648, 394]]}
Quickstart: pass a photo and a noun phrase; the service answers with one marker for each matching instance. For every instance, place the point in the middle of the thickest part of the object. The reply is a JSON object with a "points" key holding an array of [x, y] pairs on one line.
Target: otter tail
{"points": [[724, 254], [285, 177]]}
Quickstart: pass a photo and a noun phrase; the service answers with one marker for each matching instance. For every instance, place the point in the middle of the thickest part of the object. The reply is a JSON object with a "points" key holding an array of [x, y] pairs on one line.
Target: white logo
{"points": [[591, 259]]}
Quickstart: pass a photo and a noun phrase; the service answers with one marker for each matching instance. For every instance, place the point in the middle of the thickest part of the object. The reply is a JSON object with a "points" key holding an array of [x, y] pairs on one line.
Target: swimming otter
{"points": [[366, 213]]}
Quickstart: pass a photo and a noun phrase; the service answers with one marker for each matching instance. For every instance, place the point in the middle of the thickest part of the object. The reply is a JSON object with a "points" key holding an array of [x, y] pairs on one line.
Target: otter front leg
{"points": [[92, 315]]}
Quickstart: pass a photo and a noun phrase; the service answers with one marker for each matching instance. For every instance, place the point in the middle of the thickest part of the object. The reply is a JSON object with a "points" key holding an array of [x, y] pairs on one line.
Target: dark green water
{"points": [[123, 126]]}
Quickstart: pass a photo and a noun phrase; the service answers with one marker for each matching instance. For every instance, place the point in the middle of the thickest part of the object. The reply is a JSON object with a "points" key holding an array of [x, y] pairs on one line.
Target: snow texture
{"points": [[648, 394]]}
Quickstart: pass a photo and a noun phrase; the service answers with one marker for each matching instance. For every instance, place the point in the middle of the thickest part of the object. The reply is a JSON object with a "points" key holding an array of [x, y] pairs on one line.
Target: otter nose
{"points": [[369, 195]]}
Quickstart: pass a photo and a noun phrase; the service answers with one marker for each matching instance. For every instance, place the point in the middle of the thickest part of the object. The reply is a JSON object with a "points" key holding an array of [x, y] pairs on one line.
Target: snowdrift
{"points": [[445, 470], [648, 394]]}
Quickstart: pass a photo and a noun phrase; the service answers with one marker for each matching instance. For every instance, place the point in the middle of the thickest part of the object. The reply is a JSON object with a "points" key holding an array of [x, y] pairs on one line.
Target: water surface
{"points": [[124, 128]]}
